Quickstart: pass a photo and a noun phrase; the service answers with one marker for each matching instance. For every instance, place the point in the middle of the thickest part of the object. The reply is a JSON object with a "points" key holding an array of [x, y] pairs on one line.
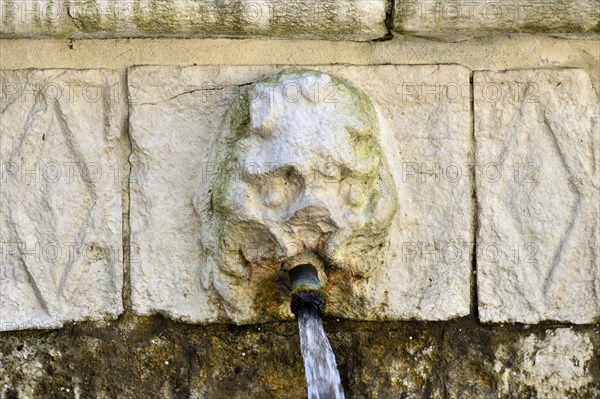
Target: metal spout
{"points": [[306, 289], [301, 274]]}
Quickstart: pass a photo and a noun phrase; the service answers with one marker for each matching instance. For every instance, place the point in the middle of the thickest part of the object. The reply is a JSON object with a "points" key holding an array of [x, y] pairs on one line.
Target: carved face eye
{"points": [[273, 196], [279, 188]]}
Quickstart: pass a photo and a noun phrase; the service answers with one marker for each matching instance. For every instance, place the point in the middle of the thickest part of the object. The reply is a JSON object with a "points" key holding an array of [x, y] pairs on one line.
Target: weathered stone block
{"points": [[345, 19], [152, 357], [192, 254], [465, 18], [521, 362], [135, 358], [537, 151], [556, 365], [61, 156]]}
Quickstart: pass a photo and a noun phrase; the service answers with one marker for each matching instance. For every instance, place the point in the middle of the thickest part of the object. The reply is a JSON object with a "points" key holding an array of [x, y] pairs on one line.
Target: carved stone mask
{"points": [[297, 167]]}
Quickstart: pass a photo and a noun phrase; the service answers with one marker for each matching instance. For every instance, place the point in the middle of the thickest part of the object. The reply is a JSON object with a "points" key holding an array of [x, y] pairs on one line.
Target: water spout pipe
{"points": [[306, 289], [302, 277]]}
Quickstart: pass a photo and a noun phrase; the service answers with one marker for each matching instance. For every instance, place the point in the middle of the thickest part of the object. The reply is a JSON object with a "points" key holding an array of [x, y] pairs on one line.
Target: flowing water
{"points": [[322, 376]]}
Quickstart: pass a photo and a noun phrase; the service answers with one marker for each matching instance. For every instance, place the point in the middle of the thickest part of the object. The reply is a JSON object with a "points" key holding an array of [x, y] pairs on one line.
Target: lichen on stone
{"points": [[300, 169]]}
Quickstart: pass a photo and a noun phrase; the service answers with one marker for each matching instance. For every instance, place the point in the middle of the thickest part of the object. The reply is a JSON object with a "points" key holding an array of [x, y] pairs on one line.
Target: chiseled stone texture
{"points": [[555, 366], [60, 228], [537, 151], [338, 20], [516, 361], [179, 113], [297, 168], [466, 18]]}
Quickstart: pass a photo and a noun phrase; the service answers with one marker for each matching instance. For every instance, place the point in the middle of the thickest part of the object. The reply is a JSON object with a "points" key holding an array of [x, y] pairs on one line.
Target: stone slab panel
{"points": [[342, 20], [62, 150], [537, 151], [465, 18], [176, 115]]}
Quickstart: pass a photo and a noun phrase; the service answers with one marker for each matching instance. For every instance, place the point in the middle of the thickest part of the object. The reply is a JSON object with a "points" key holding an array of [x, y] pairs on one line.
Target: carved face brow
{"points": [[289, 172], [338, 172]]}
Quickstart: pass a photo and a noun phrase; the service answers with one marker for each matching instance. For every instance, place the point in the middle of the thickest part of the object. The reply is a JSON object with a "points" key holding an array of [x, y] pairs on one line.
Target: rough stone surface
{"points": [[154, 357], [178, 113], [537, 151], [161, 359], [521, 362], [60, 229], [465, 18], [553, 366], [344, 19], [297, 167]]}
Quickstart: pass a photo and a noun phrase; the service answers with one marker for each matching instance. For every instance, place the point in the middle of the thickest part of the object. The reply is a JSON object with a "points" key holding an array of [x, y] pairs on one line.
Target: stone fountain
{"points": [[303, 191]]}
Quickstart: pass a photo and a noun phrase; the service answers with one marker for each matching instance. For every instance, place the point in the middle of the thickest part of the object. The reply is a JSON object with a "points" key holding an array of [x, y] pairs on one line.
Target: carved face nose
{"points": [[312, 225]]}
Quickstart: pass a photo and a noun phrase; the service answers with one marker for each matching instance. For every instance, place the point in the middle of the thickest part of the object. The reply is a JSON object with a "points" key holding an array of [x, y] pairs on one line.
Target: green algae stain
{"points": [[112, 19], [37, 20], [87, 16], [160, 16], [8, 16]]}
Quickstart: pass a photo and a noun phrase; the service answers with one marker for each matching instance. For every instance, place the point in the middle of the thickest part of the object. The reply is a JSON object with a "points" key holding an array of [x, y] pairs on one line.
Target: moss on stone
{"points": [[87, 18], [160, 17], [8, 24], [148, 357]]}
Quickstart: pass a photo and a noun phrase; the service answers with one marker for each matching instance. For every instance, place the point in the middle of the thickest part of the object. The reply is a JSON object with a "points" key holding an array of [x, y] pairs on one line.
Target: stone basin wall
{"points": [[490, 283]]}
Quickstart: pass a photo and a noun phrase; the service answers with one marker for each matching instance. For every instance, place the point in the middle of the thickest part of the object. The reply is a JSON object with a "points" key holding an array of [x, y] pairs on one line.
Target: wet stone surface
{"points": [[154, 357]]}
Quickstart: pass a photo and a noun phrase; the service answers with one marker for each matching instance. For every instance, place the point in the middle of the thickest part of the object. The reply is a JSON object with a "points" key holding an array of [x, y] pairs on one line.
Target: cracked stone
{"points": [[178, 113]]}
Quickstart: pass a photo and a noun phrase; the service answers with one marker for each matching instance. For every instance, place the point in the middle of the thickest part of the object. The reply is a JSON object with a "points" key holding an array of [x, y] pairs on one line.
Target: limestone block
{"points": [[466, 18], [344, 19], [456, 360], [516, 361], [61, 152], [157, 358], [554, 366], [238, 168], [537, 151]]}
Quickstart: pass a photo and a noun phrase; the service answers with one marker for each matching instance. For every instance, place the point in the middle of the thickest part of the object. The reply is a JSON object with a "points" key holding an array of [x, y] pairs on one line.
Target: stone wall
{"points": [[490, 280], [361, 20]]}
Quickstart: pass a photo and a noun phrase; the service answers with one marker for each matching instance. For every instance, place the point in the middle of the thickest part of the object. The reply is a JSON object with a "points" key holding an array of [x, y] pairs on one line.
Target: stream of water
{"points": [[322, 376]]}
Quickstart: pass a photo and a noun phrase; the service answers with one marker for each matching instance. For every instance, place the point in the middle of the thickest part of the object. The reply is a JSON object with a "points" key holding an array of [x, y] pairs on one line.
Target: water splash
{"points": [[322, 376]]}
